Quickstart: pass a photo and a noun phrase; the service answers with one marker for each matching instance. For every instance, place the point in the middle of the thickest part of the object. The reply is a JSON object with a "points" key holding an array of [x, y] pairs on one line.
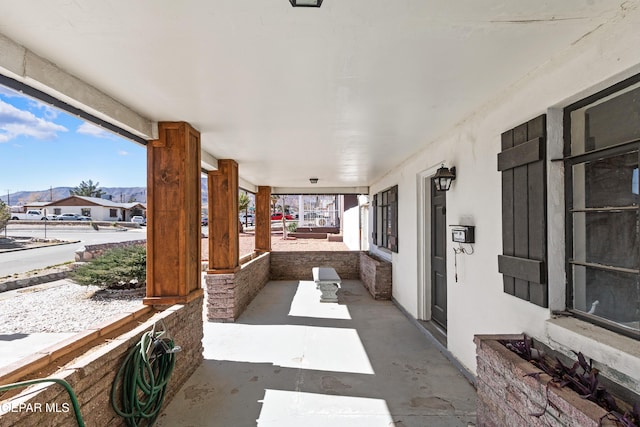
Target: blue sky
{"points": [[43, 147]]}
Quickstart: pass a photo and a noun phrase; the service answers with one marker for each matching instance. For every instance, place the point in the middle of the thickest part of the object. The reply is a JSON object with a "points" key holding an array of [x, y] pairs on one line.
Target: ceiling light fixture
{"points": [[306, 3], [313, 180]]}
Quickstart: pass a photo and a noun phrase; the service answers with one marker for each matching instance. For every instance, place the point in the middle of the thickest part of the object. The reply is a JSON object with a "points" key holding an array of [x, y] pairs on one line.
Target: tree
{"points": [[243, 205], [88, 189], [4, 215]]}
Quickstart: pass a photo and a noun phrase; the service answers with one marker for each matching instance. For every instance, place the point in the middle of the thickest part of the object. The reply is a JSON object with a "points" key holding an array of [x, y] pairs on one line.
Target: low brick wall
{"points": [[376, 276], [507, 397], [296, 265], [229, 294], [89, 252], [91, 375]]}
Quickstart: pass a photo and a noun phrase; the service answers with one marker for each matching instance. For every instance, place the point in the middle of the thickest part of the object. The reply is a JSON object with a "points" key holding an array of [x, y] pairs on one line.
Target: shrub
{"points": [[4, 215], [119, 268]]}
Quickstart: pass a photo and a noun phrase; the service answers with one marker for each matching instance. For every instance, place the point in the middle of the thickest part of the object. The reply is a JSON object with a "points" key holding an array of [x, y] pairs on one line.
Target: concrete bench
{"points": [[328, 281]]}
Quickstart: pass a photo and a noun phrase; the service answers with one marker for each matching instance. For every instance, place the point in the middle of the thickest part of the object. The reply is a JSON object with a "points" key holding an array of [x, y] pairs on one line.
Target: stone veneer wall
{"points": [[376, 276], [507, 397], [89, 252], [229, 294], [291, 265], [91, 375]]}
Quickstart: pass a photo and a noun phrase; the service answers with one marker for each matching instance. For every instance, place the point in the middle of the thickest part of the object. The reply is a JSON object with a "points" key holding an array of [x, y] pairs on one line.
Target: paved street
{"points": [[27, 260]]}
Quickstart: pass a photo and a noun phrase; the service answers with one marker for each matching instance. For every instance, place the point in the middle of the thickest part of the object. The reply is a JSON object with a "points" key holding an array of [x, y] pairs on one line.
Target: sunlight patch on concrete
{"points": [[291, 346], [306, 303], [293, 409]]}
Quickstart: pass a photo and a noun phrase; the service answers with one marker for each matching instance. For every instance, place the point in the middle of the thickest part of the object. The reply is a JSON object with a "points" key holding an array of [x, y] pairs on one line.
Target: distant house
{"points": [[98, 209]]}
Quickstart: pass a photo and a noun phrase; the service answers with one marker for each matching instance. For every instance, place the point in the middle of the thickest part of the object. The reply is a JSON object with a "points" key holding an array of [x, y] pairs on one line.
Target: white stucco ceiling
{"points": [[343, 93]]}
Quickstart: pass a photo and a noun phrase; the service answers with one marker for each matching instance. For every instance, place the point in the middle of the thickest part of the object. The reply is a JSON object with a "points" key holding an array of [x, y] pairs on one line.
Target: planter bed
{"points": [[514, 392]]}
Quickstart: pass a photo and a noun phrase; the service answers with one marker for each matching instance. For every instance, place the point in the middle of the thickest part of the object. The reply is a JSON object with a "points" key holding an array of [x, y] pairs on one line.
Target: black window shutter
{"points": [[374, 233], [523, 263], [392, 242]]}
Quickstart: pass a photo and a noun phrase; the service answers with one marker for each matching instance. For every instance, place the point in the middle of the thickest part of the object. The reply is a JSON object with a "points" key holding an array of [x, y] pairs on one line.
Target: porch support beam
{"points": [[19, 63], [173, 215], [263, 219], [224, 237]]}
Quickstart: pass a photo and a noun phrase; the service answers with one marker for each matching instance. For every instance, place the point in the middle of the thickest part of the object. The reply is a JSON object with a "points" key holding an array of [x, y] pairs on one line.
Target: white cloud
{"points": [[9, 93], [49, 112], [15, 122], [123, 153], [87, 128]]}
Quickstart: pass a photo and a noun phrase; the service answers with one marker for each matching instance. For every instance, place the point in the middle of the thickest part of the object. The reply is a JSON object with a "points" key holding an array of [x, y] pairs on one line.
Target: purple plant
{"points": [[581, 377]]}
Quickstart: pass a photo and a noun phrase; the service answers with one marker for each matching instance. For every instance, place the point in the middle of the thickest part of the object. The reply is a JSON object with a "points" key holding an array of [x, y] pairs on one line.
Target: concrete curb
{"points": [[37, 247], [32, 281]]}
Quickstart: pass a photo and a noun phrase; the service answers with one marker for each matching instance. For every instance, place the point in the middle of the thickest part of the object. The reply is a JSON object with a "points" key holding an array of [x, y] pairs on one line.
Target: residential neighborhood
{"points": [[98, 209]]}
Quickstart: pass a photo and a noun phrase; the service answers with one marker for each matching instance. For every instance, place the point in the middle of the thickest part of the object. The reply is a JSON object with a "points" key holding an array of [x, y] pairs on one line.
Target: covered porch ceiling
{"points": [[343, 93]]}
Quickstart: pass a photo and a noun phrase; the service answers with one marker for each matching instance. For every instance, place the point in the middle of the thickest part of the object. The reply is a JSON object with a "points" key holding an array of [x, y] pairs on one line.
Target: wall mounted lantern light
{"points": [[443, 178], [306, 3]]}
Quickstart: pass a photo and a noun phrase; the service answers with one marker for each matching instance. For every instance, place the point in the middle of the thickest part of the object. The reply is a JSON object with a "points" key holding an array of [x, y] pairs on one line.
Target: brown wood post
{"points": [[224, 237], [173, 215], [263, 220]]}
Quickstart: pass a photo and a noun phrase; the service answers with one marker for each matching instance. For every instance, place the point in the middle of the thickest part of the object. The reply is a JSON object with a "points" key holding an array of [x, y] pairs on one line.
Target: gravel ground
{"points": [[63, 306], [60, 306]]}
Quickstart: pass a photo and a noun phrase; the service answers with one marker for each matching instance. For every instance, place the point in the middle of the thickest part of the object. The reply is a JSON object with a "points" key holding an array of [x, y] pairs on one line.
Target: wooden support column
{"points": [[224, 237], [173, 215], [263, 220]]}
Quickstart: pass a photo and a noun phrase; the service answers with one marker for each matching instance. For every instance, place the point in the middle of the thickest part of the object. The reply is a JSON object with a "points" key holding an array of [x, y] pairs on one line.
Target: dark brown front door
{"points": [[438, 257]]}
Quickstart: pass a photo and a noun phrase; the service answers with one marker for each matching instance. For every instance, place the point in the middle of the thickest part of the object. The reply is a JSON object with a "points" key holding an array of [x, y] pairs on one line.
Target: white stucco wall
{"points": [[351, 228], [477, 303]]}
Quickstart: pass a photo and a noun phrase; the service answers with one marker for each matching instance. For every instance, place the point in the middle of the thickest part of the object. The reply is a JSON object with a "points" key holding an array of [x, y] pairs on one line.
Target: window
{"points": [[85, 212], [57, 211], [385, 219], [113, 213], [602, 145]]}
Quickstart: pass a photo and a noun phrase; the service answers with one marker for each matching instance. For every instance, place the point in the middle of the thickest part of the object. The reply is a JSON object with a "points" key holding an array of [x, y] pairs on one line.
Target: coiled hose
{"points": [[142, 379]]}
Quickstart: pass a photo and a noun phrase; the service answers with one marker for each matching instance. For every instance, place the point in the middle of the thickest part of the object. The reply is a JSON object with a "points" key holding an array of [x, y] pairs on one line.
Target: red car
{"points": [[278, 216]]}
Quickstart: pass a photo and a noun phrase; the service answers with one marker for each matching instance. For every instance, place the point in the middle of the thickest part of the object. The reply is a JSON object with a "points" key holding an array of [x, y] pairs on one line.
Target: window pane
{"points": [[613, 121], [610, 121], [607, 182], [593, 242], [610, 295]]}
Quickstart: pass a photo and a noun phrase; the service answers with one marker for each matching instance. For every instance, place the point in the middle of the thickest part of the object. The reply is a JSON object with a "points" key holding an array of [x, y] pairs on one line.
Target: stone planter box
{"points": [[507, 397], [376, 276]]}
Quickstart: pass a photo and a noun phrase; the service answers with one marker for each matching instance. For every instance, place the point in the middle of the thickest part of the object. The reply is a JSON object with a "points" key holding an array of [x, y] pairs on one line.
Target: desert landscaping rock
{"points": [[60, 306]]}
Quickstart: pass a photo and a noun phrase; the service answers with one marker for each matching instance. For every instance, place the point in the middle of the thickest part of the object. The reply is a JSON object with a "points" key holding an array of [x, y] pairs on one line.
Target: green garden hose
{"points": [[141, 382], [72, 395]]}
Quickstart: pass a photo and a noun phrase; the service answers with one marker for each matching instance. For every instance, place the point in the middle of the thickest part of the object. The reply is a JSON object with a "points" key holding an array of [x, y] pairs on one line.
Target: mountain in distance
{"points": [[118, 194]]}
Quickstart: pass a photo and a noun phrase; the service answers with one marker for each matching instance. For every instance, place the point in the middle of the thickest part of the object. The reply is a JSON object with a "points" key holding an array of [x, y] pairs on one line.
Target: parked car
{"points": [[138, 219], [204, 221], [247, 219], [50, 217], [278, 216], [68, 217], [84, 218], [30, 214]]}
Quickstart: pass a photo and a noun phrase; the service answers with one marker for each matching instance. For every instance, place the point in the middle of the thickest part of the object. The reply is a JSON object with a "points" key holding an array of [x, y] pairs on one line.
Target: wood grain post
{"points": [[263, 220], [224, 237], [173, 215]]}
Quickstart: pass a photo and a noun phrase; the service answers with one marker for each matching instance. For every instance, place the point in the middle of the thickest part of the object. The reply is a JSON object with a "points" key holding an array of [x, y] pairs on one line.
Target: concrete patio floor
{"points": [[290, 361]]}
